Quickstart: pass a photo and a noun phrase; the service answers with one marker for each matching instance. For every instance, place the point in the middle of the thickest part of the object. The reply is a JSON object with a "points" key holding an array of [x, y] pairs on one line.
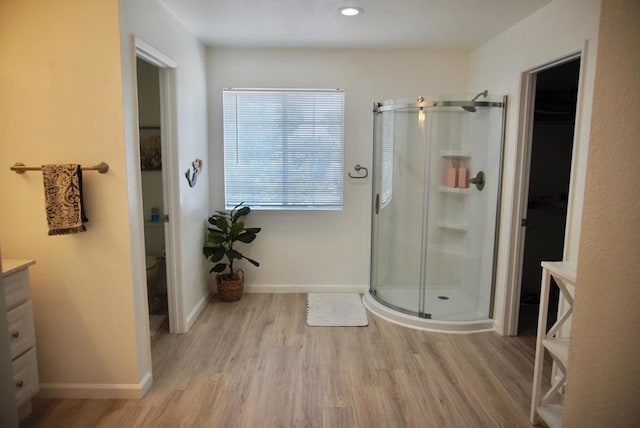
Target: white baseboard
{"points": [[129, 391], [146, 382], [311, 288], [193, 315]]}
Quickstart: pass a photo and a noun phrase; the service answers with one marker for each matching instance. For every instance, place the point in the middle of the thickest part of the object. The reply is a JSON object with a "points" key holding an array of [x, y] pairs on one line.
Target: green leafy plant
{"points": [[227, 229]]}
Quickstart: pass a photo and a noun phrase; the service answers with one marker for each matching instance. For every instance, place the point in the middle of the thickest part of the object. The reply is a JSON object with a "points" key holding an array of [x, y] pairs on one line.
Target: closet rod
{"points": [[20, 168]]}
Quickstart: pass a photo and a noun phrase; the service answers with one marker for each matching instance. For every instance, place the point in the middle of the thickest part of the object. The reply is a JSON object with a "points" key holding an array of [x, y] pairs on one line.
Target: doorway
{"points": [[166, 68], [152, 190], [544, 222]]}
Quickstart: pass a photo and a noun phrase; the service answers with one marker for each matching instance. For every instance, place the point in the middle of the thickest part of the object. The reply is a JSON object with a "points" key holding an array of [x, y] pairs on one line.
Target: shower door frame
{"points": [[420, 104], [379, 108]]}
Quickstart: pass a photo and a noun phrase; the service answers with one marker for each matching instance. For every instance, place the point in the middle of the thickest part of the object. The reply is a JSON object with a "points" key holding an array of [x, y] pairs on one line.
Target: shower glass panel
{"points": [[399, 203], [436, 181]]}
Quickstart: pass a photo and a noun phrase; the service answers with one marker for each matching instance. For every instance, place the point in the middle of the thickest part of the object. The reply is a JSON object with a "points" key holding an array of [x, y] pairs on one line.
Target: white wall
{"points": [[324, 249], [150, 21], [148, 94], [60, 82], [603, 372], [554, 31], [63, 69]]}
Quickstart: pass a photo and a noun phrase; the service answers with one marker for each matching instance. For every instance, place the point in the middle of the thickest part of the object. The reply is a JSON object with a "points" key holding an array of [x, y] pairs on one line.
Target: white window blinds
{"points": [[387, 158], [283, 149]]}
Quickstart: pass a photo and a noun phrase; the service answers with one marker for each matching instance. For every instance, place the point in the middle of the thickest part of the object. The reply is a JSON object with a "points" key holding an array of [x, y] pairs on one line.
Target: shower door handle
{"points": [[377, 203], [478, 180]]}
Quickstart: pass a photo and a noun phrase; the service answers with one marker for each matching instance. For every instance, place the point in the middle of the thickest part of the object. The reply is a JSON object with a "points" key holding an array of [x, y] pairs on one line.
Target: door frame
{"points": [[521, 188], [170, 190]]}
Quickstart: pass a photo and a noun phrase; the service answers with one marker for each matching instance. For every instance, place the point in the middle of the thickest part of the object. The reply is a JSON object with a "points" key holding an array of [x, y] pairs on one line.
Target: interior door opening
{"points": [[153, 190], [551, 147]]}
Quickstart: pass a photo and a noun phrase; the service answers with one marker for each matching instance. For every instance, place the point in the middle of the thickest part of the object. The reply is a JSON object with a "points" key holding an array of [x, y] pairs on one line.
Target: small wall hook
{"points": [[358, 168]]}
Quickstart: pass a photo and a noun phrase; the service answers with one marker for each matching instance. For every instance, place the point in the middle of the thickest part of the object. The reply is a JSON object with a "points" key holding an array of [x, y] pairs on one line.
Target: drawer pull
{"points": [[19, 384], [15, 334]]}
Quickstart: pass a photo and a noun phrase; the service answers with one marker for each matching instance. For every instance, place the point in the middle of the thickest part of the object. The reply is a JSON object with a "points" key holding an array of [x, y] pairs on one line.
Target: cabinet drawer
{"points": [[16, 288], [21, 331], [25, 376]]}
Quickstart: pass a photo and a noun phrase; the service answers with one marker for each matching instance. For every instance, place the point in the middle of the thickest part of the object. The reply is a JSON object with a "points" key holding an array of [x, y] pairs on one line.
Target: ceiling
{"points": [[439, 24]]}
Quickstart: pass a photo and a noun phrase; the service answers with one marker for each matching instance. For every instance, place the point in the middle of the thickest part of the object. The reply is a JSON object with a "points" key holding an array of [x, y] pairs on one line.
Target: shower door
{"points": [[463, 187], [399, 198], [436, 177]]}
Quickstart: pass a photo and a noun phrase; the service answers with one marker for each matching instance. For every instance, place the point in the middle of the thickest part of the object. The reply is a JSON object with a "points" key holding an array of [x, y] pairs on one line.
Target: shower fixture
{"points": [[472, 108]]}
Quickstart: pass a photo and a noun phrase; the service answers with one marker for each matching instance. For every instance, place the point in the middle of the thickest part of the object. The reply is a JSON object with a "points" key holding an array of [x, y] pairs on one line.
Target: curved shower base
{"points": [[411, 321], [424, 324]]}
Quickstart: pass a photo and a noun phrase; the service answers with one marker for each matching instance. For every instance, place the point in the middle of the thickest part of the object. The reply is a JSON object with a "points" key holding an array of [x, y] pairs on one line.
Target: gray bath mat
{"points": [[336, 310]]}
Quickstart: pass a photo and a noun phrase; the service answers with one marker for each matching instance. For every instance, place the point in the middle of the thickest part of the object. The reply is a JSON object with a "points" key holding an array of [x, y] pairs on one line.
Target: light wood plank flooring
{"points": [[255, 363]]}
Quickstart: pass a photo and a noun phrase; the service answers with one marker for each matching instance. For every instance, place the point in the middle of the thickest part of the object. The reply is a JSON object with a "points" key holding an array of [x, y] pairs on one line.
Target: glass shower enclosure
{"points": [[436, 187]]}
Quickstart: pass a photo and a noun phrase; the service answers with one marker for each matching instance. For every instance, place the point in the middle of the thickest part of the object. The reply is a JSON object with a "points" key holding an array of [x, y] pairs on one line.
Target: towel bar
{"points": [[20, 168]]}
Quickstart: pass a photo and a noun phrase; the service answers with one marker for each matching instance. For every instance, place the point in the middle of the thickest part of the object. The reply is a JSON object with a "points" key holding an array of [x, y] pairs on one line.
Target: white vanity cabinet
{"points": [[21, 332]]}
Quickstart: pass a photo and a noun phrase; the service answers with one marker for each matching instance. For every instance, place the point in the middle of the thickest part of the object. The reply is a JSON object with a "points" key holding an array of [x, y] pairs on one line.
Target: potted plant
{"points": [[226, 229]]}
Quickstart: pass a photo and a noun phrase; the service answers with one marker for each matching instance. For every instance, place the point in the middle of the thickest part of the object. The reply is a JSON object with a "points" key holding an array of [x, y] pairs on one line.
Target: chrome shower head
{"points": [[481, 94], [472, 108]]}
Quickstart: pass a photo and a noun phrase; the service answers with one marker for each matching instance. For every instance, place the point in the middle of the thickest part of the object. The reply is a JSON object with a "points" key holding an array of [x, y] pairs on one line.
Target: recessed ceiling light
{"points": [[350, 11]]}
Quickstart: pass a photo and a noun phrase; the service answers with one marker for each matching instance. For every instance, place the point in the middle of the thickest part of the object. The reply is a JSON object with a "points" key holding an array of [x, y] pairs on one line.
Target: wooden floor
{"points": [[255, 363]]}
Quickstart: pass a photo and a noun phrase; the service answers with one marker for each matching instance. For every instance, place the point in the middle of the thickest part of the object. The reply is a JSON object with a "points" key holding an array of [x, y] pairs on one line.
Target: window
{"points": [[283, 149]]}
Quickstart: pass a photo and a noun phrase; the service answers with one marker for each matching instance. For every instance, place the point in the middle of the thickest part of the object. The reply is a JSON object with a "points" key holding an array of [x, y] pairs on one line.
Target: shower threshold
{"points": [[415, 322]]}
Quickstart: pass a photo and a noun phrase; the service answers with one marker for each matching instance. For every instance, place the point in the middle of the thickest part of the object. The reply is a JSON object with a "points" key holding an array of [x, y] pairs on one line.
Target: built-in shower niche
{"points": [[451, 194], [442, 268]]}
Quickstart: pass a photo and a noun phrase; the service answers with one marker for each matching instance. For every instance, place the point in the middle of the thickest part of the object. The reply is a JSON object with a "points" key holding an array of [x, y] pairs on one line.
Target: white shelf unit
{"points": [[452, 251], [548, 406], [452, 225], [454, 190], [455, 154]]}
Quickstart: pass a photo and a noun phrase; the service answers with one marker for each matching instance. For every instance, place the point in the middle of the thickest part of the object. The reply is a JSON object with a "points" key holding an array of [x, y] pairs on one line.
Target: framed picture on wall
{"points": [[150, 149]]}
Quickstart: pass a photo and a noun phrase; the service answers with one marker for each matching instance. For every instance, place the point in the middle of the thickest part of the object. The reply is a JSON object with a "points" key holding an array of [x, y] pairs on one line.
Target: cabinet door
{"points": [[25, 376], [21, 331], [16, 288]]}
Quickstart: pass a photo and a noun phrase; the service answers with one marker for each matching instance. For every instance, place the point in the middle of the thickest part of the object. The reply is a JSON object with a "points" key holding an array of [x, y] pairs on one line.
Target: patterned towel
{"points": [[63, 199]]}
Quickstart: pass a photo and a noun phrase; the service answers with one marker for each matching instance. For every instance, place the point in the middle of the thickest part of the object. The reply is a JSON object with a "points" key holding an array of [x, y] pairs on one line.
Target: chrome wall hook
{"points": [[359, 168]]}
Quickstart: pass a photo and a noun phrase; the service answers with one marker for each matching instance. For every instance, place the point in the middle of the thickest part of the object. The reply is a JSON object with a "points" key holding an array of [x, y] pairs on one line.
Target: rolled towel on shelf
{"points": [[63, 199]]}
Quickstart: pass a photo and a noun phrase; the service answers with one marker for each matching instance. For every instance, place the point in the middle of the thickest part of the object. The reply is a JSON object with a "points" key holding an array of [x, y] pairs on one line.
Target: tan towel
{"points": [[63, 198]]}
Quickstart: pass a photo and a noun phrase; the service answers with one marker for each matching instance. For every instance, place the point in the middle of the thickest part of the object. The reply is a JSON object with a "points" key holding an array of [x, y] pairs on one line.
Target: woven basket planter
{"points": [[230, 289]]}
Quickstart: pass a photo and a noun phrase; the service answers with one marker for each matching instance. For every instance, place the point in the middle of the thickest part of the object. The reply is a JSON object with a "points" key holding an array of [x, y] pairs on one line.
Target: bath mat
{"points": [[336, 310]]}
